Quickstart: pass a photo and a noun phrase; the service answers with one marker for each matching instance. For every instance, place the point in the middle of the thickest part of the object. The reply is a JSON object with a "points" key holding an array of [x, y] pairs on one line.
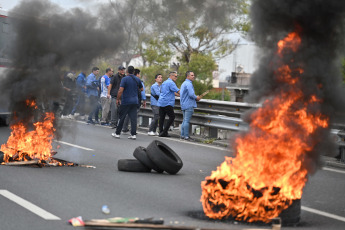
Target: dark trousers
{"points": [[167, 110], [93, 106], [131, 110]]}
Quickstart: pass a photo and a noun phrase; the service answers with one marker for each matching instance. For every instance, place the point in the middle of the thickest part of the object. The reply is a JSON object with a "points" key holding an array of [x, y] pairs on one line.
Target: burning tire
{"points": [[164, 157], [131, 165], [291, 215], [141, 155], [1, 157]]}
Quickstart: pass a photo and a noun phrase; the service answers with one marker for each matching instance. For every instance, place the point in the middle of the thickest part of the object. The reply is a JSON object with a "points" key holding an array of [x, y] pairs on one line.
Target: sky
{"points": [[67, 4]]}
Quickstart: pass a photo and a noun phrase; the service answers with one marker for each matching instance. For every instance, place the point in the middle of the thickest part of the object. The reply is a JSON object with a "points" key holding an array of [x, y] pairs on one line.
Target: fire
{"points": [[267, 173], [25, 145]]}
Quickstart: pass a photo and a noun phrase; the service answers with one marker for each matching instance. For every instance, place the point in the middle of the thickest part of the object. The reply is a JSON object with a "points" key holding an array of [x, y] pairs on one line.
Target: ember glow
{"points": [[267, 173], [24, 144]]}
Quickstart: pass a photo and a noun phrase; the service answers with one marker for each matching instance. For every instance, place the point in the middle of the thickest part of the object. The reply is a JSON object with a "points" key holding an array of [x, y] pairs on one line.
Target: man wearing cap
{"points": [[166, 103], [113, 89], [128, 98]]}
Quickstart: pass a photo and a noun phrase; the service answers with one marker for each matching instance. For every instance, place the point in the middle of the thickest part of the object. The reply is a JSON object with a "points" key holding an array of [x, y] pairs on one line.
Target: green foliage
{"points": [[218, 95], [149, 73], [157, 52], [202, 65]]}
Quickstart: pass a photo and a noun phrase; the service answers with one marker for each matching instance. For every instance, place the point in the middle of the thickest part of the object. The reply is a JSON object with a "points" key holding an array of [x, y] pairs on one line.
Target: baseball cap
{"points": [[121, 67]]}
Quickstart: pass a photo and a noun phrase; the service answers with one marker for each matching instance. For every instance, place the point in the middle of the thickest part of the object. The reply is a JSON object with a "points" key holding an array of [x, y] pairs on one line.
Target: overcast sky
{"points": [[9, 4]]}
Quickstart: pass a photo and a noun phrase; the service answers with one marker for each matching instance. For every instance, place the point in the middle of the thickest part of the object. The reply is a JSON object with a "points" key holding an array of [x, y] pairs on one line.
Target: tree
{"points": [[201, 26]]}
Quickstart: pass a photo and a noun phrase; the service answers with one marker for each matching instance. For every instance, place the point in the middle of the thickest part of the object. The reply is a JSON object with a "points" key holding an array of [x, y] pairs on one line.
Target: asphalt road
{"points": [[66, 192]]}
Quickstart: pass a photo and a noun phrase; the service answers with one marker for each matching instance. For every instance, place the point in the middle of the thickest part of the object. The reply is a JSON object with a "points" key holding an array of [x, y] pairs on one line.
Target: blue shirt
{"points": [[91, 85], [130, 92], [105, 81], [81, 81], [143, 95], [155, 90], [187, 95], [167, 96]]}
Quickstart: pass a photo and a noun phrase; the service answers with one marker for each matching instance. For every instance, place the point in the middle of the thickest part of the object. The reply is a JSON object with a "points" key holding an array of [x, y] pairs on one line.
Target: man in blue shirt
{"points": [[81, 89], [155, 92], [166, 103], [141, 98], [188, 103], [92, 93], [105, 98], [128, 98]]}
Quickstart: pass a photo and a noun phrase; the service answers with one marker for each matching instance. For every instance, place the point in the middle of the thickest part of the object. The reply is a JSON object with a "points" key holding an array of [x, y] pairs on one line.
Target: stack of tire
{"points": [[157, 156]]}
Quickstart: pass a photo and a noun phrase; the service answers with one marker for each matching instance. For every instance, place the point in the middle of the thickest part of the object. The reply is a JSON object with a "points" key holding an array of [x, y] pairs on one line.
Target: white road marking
{"points": [[321, 213], [333, 170], [28, 205], [76, 146]]}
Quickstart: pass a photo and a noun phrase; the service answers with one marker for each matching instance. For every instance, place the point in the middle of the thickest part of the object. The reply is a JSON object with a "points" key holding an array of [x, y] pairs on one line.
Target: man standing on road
{"points": [[155, 92], [113, 89], [188, 103], [80, 103], [166, 102], [105, 98], [128, 98], [92, 93], [141, 99]]}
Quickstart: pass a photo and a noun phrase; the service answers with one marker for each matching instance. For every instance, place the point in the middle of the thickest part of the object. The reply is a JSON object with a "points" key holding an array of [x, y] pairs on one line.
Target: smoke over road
{"points": [[47, 40]]}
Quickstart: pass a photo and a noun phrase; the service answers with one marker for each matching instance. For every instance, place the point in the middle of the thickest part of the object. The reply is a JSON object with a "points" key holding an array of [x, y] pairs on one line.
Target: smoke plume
{"points": [[320, 24], [48, 40]]}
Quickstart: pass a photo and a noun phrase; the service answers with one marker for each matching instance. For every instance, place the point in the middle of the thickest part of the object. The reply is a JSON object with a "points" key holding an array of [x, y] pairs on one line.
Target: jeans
{"points": [[79, 104], [154, 122], [105, 108], [131, 110], [114, 112], [167, 110], [127, 122], [187, 115], [93, 107]]}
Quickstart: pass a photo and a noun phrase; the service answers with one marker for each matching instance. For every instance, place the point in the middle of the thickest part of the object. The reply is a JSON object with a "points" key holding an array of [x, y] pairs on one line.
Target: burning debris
{"points": [[287, 134]]}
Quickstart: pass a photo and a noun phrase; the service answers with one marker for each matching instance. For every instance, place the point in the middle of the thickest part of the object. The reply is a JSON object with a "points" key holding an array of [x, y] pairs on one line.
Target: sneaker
{"points": [[81, 117], [133, 137], [105, 123], [157, 133], [115, 135], [76, 114], [96, 122], [90, 122], [151, 133], [182, 138], [64, 116], [70, 116], [164, 134], [189, 139]]}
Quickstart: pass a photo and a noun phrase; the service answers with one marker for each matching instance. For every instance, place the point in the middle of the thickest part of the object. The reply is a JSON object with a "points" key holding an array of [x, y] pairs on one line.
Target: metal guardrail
{"points": [[224, 115]]}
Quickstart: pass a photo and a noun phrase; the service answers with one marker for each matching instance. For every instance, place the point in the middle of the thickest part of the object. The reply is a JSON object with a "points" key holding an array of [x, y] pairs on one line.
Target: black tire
{"points": [[141, 155], [131, 165], [292, 215], [1, 157], [164, 157]]}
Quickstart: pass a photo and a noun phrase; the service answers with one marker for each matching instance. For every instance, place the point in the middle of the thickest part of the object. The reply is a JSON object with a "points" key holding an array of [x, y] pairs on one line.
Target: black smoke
{"points": [[47, 41], [320, 25]]}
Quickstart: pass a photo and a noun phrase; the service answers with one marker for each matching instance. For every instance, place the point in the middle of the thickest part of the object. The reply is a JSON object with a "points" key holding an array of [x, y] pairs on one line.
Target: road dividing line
{"points": [[73, 145], [321, 213], [28, 205], [333, 170]]}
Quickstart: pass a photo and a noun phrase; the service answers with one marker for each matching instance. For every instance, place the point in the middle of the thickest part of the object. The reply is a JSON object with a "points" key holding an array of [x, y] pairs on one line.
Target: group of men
{"points": [[123, 94]]}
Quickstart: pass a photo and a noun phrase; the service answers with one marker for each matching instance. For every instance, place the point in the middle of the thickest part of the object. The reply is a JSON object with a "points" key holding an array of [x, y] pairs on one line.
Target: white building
{"points": [[245, 55]]}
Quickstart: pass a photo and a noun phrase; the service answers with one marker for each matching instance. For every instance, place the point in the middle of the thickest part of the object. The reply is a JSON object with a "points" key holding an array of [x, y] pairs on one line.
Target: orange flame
{"points": [[26, 145], [267, 173]]}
